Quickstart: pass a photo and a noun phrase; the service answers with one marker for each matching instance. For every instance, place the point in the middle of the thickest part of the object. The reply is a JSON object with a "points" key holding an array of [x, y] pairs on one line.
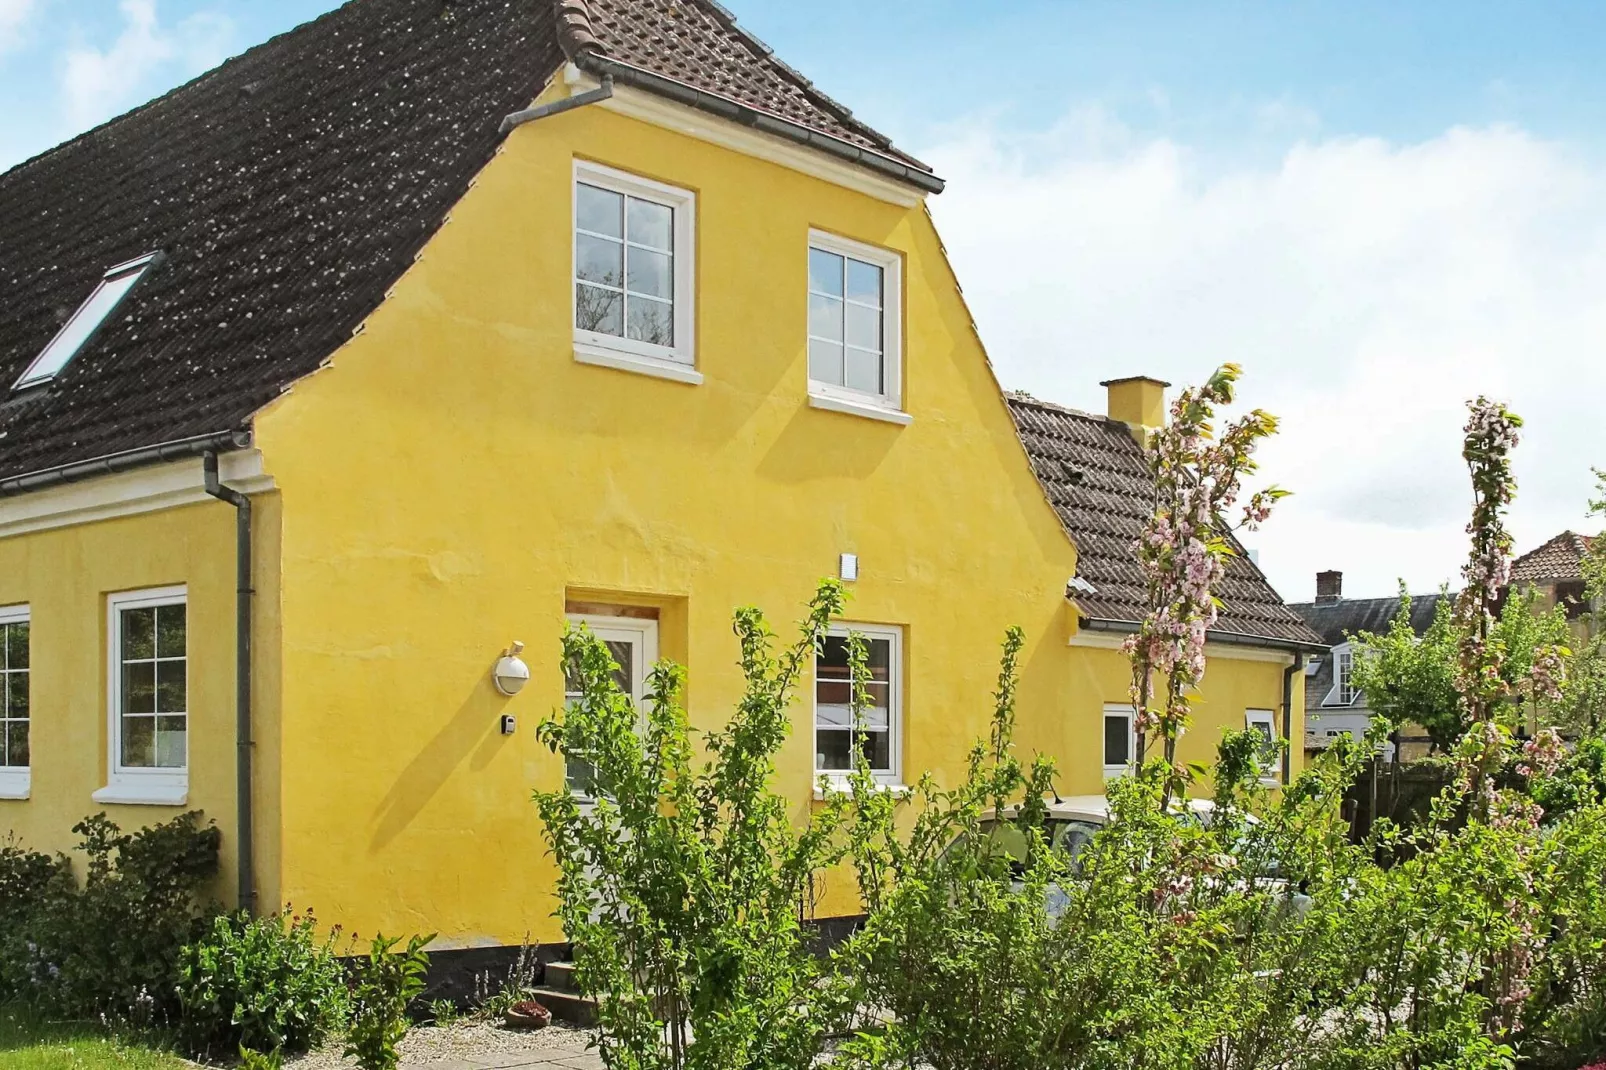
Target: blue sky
{"points": [[1380, 209]]}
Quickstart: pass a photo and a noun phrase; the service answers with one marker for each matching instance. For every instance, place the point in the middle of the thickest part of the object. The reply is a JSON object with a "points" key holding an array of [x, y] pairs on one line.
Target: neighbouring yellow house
{"points": [[449, 322]]}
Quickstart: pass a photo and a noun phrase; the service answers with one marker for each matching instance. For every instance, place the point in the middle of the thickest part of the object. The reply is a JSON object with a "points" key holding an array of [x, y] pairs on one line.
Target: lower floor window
{"points": [[148, 637], [14, 692], [877, 736], [1264, 722], [1120, 741]]}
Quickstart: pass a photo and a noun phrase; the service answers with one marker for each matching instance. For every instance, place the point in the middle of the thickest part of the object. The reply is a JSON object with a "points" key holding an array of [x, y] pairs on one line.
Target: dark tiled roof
{"points": [[1558, 559], [1095, 476], [1337, 622], [698, 43], [289, 188]]}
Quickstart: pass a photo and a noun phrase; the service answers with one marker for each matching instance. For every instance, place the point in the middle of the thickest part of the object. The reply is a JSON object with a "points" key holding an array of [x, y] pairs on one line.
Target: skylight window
{"points": [[86, 321]]}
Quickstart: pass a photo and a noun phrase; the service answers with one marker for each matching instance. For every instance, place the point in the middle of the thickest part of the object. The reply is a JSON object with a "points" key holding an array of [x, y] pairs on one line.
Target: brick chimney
{"points": [[1329, 587], [1137, 401]]}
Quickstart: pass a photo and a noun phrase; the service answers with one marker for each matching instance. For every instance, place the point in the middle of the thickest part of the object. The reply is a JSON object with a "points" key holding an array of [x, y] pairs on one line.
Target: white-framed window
{"points": [[78, 330], [632, 642], [1343, 690], [634, 273], [1120, 741], [15, 704], [880, 733], [855, 327], [1264, 722], [148, 700]]}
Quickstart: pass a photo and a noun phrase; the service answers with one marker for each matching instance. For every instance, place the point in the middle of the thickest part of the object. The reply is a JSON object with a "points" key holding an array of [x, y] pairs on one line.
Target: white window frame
{"points": [[642, 631], [677, 362], [51, 361], [891, 777], [1115, 771], [1343, 656], [1269, 719], [16, 782], [139, 786], [886, 406]]}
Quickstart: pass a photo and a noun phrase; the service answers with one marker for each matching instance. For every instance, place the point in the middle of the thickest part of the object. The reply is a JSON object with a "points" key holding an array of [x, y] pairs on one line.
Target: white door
{"points": [[633, 644]]}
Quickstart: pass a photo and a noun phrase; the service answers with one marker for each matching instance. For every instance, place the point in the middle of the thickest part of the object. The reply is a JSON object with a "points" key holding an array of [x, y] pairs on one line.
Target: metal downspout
{"points": [[541, 111], [1288, 715], [245, 833]]}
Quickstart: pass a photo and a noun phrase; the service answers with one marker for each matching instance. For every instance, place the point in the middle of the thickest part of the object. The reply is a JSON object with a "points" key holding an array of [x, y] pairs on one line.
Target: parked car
{"points": [[1073, 822]]}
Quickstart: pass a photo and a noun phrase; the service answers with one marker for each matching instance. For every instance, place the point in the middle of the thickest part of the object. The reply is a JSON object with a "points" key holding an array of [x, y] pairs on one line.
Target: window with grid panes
{"points": [[14, 690], [836, 737]]}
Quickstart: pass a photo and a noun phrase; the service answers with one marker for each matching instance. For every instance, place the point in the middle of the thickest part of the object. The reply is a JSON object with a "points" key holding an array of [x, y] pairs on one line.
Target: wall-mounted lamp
{"points": [[511, 674], [848, 567]]}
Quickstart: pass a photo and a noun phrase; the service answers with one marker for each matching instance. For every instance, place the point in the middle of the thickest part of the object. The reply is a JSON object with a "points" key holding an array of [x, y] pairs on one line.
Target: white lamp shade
{"points": [[511, 674]]}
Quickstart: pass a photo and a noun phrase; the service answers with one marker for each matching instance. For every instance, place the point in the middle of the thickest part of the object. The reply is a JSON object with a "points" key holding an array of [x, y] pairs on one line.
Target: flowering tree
{"points": [[1184, 548]]}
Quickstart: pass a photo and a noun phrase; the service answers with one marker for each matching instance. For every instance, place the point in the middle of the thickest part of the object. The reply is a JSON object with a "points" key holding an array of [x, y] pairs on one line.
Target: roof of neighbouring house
{"points": [[1338, 622], [289, 189], [1096, 478], [1559, 559]]}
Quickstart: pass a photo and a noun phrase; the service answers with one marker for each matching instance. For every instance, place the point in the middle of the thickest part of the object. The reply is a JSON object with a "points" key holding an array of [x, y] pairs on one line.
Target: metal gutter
{"points": [[541, 111], [245, 834], [112, 463], [588, 60], [1292, 646]]}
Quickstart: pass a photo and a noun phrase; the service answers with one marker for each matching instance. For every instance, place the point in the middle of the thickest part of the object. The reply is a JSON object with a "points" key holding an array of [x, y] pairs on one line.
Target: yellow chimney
{"points": [[1137, 401]]}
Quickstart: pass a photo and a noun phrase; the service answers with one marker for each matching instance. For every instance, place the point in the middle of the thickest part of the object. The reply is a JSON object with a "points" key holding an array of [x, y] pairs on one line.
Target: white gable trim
{"points": [[141, 490], [648, 108]]}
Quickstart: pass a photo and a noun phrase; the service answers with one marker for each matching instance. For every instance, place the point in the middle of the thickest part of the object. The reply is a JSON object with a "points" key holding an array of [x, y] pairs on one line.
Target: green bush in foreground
{"points": [[267, 984], [111, 946], [386, 981]]}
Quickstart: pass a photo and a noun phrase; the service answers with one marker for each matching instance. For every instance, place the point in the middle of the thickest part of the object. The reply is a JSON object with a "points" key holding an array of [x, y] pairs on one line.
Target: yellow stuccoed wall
{"points": [[64, 576], [454, 476]]}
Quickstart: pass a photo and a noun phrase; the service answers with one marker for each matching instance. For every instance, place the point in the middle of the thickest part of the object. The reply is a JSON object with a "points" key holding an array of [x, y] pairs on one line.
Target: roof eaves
{"points": [[1216, 635], [590, 59]]}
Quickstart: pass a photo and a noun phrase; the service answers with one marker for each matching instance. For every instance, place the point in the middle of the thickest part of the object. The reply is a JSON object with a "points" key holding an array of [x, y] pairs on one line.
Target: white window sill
{"points": [[15, 784], [603, 357], [1116, 772], [867, 408], [139, 792], [836, 782]]}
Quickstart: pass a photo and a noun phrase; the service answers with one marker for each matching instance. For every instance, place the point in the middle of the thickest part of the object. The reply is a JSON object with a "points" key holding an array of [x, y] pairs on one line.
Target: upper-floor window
{"points": [[14, 702], [1120, 741], [634, 271], [107, 295], [1343, 682], [148, 636], [855, 321], [879, 733]]}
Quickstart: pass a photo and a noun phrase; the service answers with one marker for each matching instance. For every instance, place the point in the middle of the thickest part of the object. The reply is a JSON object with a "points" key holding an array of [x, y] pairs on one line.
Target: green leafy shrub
{"points": [[267, 984], [385, 983], [111, 947], [29, 881], [684, 883]]}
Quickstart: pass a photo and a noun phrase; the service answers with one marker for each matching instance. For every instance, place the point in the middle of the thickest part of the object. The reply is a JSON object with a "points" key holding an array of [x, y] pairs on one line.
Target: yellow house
{"points": [[426, 327]]}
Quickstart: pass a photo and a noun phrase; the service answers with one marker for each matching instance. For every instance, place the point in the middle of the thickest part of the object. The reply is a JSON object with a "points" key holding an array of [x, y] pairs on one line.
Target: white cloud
{"points": [[1367, 288], [98, 84], [13, 16]]}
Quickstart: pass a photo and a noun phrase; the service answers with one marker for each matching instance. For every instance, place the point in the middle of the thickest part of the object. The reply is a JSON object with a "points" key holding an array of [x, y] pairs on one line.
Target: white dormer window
{"points": [[108, 294], [1343, 691]]}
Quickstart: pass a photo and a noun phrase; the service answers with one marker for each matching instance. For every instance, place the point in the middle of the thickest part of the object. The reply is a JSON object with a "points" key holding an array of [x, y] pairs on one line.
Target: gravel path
{"points": [[476, 1045]]}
